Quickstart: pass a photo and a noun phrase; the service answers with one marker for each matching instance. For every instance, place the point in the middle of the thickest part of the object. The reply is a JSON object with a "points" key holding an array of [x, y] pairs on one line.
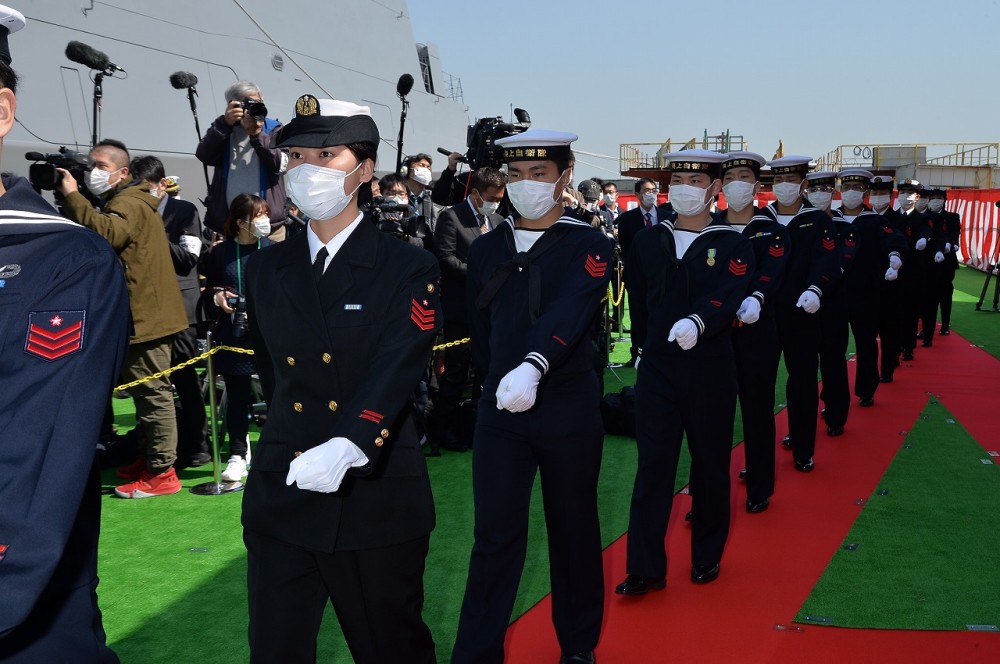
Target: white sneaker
{"points": [[235, 470]]}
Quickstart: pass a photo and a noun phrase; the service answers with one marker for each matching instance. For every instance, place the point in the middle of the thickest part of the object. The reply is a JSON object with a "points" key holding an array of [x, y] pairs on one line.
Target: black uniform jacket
{"points": [[457, 228], [630, 223], [866, 244], [182, 218], [707, 285], [814, 263], [541, 303], [64, 327], [341, 359], [770, 251]]}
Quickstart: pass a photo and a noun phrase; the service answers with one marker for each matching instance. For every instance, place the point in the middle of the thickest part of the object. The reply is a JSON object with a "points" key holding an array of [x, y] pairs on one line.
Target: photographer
{"points": [[224, 267], [129, 222], [238, 147], [395, 215]]}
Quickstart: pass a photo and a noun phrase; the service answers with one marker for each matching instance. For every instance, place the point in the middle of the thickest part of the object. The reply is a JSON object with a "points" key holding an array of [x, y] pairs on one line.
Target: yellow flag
{"points": [[780, 152]]}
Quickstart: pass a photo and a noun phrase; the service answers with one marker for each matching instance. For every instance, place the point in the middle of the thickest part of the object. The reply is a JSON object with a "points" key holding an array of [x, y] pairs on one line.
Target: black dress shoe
{"points": [[885, 378], [760, 506], [945, 331], [452, 443], [822, 413], [786, 442], [704, 573], [805, 466], [578, 658], [926, 344], [867, 402], [907, 355], [689, 516], [743, 474], [835, 431], [639, 585]]}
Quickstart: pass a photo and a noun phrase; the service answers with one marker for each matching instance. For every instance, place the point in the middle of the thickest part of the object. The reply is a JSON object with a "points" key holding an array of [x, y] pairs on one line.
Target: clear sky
{"points": [[813, 74]]}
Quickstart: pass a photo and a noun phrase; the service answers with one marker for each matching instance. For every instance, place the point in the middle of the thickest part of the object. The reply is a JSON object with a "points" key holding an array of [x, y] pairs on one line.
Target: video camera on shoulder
{"points": [[43, 173], [254, 108], [482, 137], [393, 218]]}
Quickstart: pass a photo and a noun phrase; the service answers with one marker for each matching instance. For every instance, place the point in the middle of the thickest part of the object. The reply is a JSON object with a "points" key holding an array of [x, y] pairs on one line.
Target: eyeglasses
{"points": [[821, 187]]}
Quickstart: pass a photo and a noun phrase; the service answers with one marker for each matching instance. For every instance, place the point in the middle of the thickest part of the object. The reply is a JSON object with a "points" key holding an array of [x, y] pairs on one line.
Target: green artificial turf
{"points": [[980, 327], [926, 540]]}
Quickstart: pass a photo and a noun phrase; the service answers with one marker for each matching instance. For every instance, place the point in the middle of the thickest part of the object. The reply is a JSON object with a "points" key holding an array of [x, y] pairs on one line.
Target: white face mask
{"points": [[260, 227], [487, 207], [739, 194], [787, 193], [879, 201], [687, 199], [906, 201], [820, 199], [318, 191], [851, 199], [98, 181], [421, 174], [649, 200], [609, 199], [935, 205], [532, 198], [921, 204]]}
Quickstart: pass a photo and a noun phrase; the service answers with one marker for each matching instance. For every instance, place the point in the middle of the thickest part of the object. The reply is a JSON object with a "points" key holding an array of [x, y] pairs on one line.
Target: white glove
{"points": [[323, 467], [809, 302], [636, 365], [191, 244], [895, 263], [938, 257], [891, 274], [685, 333], [517, 390], [921, 244], [749, 311], [947, 247]]}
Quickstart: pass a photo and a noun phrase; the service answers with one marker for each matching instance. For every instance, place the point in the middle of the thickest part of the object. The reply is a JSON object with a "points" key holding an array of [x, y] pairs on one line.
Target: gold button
{"points": [[379, 442], [327, 357], [290, 360], [333, 406], [297, 406], [298, 454], [385, 433]]}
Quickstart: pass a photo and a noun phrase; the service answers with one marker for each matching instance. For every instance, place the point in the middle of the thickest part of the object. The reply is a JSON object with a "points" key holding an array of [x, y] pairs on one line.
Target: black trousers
{"points": [[800, 336], [699, 401], [915, 293], [757, 357], [239, 400], [836, 391], [890, 324], [192, 423], [638, 332], [863, 309], [451, 383], [561, 439], [378, 596], [946, 288]]}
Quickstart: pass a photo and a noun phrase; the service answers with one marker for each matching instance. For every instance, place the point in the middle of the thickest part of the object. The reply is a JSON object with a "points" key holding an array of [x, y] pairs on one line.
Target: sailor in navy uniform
{"points": [[918, 234], [341, 317], [876, 259], [836, 391], [891, 294], [64, 328], [947, 237], [755, 337], [690, 277], [535, 287]]}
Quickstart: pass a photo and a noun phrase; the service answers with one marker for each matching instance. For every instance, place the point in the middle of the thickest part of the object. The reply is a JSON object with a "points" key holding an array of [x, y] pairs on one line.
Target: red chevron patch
{"points": [[421, 315], [595, 267], [715, 303], [829, 244], [54, 334], [371, 416], [737, 267], [777, 252]]}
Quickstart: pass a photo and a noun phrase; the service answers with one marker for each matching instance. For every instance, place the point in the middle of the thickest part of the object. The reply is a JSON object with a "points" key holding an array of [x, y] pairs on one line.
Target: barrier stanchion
{"points": [[217, 486]]}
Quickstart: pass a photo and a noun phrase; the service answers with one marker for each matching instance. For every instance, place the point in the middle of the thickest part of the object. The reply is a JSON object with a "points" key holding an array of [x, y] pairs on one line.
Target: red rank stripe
{"points": [[371, 416], [54, 335], [777, 252], [595, 268], [36, 340], [737, 268], [829, 244], [49, 354]]}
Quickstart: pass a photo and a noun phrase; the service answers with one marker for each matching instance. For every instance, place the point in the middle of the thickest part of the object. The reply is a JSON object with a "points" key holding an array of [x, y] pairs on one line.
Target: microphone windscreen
{"points": [[404, 85], [85, 55], [34, 156], [183, 79]]}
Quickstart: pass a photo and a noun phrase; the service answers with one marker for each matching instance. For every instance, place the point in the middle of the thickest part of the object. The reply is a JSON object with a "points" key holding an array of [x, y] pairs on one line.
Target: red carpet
{"points": [[773, 559]]}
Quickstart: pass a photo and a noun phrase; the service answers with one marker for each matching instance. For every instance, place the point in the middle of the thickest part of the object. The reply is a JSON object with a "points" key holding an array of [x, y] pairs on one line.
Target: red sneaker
{"points": [[134, 470], [150, 486]]}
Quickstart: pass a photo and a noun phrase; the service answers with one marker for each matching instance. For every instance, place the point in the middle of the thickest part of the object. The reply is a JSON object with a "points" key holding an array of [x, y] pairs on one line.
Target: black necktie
{"points": [[649, 220], [320, 263]]}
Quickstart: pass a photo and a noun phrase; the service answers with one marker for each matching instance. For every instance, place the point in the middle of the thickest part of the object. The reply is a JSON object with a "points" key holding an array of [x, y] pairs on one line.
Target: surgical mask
{"points": [[532, 198], [820, 199], [97, 181], [787, 193], [487, 207], [852, 199], [935, 205], [687, 200], [649, 200], [590, 206], [739, 194], [421, 174], [318, 191], [609, 199], [906, 201], [879, 201], [260, 227], [921, 204]]}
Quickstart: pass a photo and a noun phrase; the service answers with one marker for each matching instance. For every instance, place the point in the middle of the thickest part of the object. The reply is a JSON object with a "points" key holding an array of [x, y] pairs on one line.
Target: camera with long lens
{"points": [[254, 108], [239, 315], [482, 136], [43, 173], [394, 218]]}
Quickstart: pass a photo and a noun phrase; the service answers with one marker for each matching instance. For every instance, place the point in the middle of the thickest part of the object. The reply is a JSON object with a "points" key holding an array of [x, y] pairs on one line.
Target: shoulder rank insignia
{"points": [[422, 314], [737, 267], [595, 266], [54, 334]]}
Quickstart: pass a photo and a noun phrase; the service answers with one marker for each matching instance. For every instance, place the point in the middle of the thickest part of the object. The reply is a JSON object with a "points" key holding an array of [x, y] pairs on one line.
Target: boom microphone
{"points": [[404, 85], [183, 79], [34, 156], [90, 57], [447, 153]]}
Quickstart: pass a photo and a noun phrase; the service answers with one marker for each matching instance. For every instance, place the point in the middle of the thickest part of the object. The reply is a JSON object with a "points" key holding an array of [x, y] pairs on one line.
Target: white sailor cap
{"points": [[882, 182], [822, 177], [320, 123], [856, 175], [537, 144], [743, 158], [909, 184], [793, 163], [695, 161], [11, 21]]}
